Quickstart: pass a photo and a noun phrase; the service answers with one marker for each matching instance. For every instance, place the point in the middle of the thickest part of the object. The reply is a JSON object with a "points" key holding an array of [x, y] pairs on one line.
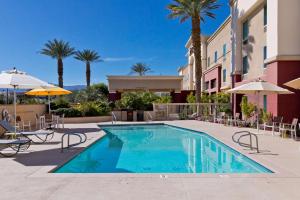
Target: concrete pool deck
{"points": [[26, 175]]}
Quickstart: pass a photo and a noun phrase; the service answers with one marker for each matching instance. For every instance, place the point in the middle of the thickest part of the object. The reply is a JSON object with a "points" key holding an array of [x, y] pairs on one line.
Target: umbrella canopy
{"points": [[20, 80], [294, 84], [259, 87], [55, 91]]}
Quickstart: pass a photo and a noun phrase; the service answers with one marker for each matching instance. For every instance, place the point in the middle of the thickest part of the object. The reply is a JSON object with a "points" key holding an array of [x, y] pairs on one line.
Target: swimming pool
{"points": [[159, 148]]}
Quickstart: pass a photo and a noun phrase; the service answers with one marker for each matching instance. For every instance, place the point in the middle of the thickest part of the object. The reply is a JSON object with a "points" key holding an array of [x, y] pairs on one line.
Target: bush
{"points": [[164, 99], [191, 98], [247, 108], [90, 109], [59, 102], [68, 112]]}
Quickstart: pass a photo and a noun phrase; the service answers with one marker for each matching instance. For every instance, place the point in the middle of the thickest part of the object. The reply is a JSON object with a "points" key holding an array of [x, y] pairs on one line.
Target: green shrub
{"points": [[247, 108], [90, 109], [59, 102], [68, 112], [191, 98], [163, 99]]}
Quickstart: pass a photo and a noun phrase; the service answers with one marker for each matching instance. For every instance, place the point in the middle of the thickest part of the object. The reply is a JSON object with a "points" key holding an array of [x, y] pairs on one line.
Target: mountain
{"points": [[74, 87]]}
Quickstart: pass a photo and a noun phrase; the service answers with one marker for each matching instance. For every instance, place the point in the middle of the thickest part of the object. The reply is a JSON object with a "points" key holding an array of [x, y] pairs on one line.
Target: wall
{"points": [[256, 42], [77, 120], [215, 43], [283, 29], [26, 112]]}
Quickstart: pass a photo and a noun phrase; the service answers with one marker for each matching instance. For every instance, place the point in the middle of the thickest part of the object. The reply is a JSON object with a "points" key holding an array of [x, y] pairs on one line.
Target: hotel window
{"points": [[216, 56], [213, 83], [208, 62], [206, 85], [265, 15], [245, 65], [245, 31], [265, 102], [224, 75], [224, 51], [265, 55]]}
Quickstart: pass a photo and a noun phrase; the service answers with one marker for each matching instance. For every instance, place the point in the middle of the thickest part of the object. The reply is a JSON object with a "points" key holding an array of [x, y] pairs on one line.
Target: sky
{"points": [[123, 32]]}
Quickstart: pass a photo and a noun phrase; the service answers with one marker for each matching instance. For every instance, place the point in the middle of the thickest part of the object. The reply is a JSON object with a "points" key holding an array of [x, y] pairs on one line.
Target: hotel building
{"points": [[260, 40]]}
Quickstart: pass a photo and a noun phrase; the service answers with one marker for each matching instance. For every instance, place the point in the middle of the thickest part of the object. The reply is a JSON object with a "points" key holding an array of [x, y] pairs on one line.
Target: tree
{"points": [[87, 56], [140, 68], [59, 50], [196, 10]]}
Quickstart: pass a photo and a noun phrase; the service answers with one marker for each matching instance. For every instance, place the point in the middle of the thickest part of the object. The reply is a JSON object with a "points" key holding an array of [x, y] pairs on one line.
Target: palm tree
{"points": [[59, 50], [140, 68], [196, 10], [87, 56]]}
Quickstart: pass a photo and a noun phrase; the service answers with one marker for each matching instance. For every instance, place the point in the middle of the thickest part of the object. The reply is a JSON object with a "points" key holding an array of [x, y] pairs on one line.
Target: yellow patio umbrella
{"points": [[55, 91]]}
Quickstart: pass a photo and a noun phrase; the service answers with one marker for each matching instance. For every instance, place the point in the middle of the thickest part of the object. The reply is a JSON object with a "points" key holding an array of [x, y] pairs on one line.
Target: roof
{"points": [[144, 77]]}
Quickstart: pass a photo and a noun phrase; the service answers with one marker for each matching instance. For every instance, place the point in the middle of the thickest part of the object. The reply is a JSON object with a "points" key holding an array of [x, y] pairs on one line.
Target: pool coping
{"points": [[47, 171]]}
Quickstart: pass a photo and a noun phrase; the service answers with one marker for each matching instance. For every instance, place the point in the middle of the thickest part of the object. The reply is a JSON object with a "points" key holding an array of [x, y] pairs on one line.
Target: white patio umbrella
{"points": [[15, 79], [258, 88], [294, 83]]}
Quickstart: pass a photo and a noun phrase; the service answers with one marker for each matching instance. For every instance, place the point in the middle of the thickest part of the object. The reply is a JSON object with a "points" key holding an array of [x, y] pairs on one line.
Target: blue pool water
{"points": [[159, 149]]}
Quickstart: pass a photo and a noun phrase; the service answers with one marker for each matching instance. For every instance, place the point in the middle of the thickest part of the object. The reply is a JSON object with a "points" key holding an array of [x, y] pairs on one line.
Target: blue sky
{"points": [[122, 31]]}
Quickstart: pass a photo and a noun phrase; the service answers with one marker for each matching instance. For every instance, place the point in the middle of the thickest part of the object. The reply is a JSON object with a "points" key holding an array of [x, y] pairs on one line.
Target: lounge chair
{"points": [[41, 135], [292, 128], [15, 146], [274, 124]]}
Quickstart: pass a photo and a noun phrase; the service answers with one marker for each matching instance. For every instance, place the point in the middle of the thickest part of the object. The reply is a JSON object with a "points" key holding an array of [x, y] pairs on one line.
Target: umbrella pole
{"points": [[15, 109], [49, 104], [257, 112]]}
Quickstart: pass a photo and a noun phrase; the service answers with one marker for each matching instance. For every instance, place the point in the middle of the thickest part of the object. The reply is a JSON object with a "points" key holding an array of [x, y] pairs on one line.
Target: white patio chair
{"points": [[292, 128]]}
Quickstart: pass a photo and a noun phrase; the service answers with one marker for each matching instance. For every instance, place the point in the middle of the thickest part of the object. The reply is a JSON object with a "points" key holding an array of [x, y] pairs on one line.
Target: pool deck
{"points": [[26, 175]]}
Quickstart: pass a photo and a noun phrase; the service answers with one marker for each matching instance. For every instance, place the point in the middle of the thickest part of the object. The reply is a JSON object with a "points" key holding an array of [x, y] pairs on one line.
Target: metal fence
{"points": [[182, 111]]}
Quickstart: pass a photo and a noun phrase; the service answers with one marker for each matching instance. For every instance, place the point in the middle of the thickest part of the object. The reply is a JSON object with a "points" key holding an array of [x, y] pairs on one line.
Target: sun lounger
{"points": [[14, 146], [41, 135]]}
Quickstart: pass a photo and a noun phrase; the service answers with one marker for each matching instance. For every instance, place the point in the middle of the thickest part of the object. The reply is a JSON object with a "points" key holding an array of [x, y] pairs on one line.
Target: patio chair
{"points": [[234, 121], [41, 135], [292, 128], [221, 118], [274, 124], [22, 125]]}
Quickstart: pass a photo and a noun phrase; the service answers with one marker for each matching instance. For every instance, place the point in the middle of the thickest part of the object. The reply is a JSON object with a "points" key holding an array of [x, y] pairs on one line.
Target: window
{"points": [[265, 102], [213, 83], [245, 65], [224, 75], [224, 51], [265, 55], [216, 56], [206, 85], [208, 62], [245, 31], [265, 15]]}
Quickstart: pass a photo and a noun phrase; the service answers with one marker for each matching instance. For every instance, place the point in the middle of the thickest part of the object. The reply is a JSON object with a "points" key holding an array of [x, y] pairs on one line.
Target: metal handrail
{"points": [[246, 133], [82, 139], [114, 117]]}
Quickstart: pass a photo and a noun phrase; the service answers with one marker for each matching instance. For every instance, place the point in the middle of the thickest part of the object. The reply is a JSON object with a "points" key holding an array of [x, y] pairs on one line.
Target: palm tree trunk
{"points": [[196, 41], [60, 70], [88, 74]]}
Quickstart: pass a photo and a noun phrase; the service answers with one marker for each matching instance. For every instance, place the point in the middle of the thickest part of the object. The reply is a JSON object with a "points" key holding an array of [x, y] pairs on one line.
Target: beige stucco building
{"points": [[259, 40], [216, 61]]}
